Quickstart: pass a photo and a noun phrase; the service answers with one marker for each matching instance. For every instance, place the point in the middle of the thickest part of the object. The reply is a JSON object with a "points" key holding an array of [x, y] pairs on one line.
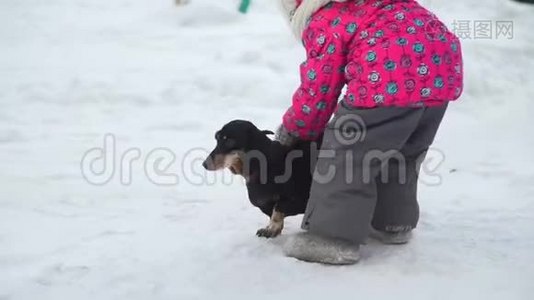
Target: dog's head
{"points": [[233, 141]]}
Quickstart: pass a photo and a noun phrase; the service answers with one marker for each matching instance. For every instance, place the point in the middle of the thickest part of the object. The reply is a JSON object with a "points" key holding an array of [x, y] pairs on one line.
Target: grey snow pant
{"points": [[367, 171]]}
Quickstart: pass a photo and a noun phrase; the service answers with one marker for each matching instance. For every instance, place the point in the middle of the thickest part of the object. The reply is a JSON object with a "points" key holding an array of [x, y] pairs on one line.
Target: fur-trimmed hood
{"points": [[297, 12]]}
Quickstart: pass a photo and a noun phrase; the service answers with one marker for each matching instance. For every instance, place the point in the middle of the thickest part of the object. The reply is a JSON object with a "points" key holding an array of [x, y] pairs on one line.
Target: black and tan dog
{"points": [[278, 178]]}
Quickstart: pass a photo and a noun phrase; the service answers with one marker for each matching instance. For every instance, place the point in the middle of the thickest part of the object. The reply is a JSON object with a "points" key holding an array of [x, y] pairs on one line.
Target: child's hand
{"points": [[284, 137]]}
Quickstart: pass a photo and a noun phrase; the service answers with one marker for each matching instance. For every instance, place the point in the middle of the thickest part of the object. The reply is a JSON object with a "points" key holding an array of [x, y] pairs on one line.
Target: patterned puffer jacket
{"points": [[387, 53]]}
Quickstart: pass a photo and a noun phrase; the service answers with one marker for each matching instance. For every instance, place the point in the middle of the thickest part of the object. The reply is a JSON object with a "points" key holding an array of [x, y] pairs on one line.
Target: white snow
{"points": [[155, 75]]}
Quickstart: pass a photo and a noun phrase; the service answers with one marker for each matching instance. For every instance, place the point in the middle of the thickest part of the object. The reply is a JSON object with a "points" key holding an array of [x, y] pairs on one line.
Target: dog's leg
{"points": [[276, 224]]}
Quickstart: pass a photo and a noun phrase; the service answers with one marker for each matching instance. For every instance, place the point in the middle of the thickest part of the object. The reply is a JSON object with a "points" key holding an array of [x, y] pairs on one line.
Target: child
{"points": [[401, 66]]}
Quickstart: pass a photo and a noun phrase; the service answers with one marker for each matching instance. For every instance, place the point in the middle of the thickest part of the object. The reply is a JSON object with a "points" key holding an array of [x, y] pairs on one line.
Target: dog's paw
{"points": [[269, 232], [276, 224]]}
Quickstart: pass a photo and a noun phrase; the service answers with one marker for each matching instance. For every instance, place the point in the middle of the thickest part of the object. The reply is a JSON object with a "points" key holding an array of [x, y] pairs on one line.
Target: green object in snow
{"points": [[243, 7]]}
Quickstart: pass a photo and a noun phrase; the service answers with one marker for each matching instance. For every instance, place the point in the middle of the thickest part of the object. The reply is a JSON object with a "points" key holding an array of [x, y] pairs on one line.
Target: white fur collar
{"points": [[298, 15]]}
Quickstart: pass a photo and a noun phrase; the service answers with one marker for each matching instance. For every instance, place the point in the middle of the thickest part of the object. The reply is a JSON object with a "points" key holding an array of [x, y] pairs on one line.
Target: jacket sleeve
{"points": [[322, 79]]}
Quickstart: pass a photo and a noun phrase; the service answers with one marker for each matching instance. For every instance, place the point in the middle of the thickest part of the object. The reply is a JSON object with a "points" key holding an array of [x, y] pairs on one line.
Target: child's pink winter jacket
{"points": [[388, 53]]}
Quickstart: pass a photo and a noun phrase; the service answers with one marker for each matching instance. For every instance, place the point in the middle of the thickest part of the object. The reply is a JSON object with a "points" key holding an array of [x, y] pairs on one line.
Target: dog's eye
{"points": [[220, 137]]}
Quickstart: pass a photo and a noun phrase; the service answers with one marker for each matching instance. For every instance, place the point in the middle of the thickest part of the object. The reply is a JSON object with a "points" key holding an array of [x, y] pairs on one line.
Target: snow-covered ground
{"points": [[158, 77]]}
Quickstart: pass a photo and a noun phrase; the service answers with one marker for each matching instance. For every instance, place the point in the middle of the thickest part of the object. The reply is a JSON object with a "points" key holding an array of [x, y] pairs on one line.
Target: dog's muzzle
{"points": [[221, 161], [209, 164]]}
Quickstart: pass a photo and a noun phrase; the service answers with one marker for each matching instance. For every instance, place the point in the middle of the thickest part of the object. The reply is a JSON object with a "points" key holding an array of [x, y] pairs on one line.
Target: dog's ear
{"points": [[267, 132]]}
